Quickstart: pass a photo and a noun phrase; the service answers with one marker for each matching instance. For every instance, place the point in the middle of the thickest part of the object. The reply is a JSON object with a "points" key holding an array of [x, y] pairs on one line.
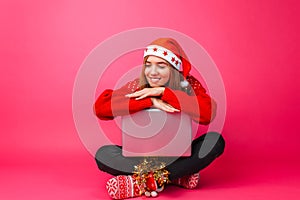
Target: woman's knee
{"points": [[218, 140], [212, 144], [107, 151]]}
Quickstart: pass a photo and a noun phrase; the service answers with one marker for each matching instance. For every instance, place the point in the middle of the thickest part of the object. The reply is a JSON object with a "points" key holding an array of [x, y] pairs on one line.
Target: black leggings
{"points": [[205, 149]]}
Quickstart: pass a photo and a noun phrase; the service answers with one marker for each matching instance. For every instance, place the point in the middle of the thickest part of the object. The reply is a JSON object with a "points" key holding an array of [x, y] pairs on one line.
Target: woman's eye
{"points": [[147, 65], [161, 66]]}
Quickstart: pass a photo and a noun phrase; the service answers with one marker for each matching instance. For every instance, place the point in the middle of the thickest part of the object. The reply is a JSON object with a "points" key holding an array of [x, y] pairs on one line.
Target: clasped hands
{"points": [[153, 93]]}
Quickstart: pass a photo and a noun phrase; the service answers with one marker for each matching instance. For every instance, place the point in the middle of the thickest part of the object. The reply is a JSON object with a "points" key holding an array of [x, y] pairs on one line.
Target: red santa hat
{"points": [[171, 51]]}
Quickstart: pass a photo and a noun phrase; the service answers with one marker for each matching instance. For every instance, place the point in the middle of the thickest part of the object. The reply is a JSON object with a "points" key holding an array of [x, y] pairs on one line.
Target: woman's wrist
{"points": [[162, 90]]}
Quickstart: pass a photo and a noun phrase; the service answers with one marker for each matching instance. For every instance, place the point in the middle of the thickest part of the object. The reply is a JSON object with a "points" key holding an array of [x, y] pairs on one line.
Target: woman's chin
{"points": [[155, 85]]}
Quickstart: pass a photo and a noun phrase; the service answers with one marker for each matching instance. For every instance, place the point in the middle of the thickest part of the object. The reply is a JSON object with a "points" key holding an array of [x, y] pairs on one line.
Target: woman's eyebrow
{"points": [[162, 63], [158, 62]]}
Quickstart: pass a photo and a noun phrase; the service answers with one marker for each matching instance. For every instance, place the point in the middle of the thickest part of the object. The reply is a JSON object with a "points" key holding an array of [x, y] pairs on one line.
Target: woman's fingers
{"points": [[136, 94], [158, 103], [141, 97], [146, 92], [170, 109]]}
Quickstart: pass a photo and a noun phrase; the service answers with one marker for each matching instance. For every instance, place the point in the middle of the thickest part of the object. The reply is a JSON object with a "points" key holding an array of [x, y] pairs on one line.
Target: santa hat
{"points": [[171, 51]]}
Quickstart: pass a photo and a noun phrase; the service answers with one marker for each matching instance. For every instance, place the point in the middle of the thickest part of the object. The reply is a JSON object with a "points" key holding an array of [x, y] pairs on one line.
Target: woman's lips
{"points": [[154, 80]]}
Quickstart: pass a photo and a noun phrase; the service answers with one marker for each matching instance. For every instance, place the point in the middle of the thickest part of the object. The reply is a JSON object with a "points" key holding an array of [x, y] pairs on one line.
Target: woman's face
{"points": [[157, 71]]}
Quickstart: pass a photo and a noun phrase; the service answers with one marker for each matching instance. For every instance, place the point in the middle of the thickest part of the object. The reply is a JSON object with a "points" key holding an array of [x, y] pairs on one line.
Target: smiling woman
{"points": [[164, 84], [157, 71]]}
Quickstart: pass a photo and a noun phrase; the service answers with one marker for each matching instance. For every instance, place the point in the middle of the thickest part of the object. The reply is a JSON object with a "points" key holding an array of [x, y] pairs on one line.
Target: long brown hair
{"points": [[173, 83]]}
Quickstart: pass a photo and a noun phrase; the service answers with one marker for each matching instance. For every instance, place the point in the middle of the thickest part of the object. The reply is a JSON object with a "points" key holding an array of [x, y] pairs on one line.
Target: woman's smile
{"points": [[154, 79]]}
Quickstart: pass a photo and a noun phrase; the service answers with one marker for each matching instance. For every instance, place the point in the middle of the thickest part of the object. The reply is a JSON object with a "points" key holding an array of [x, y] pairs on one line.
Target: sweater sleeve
{"points": [[112, 103], [199, 105]]}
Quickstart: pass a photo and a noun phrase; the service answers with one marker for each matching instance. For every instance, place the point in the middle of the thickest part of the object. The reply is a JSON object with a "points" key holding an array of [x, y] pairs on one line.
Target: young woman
{"points": [[164, 84]]}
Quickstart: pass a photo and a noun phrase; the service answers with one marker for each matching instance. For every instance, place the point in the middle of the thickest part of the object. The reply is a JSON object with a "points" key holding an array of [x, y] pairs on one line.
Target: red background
{"points": [[255, 45]]}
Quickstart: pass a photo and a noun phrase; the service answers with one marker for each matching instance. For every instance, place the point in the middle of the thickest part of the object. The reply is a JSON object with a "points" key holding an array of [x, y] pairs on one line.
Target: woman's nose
{"points": [[153, 70]]}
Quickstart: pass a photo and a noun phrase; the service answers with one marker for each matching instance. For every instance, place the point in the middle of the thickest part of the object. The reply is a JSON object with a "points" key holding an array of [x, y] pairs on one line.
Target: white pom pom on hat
{"points": [[170, 50]]}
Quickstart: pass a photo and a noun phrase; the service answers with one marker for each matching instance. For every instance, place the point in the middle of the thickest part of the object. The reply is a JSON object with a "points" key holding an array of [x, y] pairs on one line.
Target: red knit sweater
{"points": [[198, 104]]}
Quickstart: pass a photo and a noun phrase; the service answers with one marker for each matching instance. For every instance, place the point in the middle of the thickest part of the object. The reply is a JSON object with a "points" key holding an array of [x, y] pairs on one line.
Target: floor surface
{"points": [[66, 177]]}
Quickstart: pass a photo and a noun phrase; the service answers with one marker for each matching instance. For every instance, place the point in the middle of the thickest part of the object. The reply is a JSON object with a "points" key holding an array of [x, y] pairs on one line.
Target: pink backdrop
{"points": [[255, 45]]}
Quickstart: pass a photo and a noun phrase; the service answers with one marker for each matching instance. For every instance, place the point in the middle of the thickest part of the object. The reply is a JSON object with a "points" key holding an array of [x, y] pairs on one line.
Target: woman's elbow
{"points": [[101, 112], [207, 116]]}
